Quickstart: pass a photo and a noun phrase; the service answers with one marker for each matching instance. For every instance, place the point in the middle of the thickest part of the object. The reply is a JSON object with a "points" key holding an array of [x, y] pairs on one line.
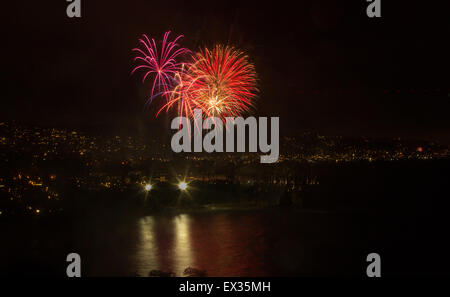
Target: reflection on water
{"points": [[239, 243], [146, 246], [182, 248], [164, 244], [224, 244]]}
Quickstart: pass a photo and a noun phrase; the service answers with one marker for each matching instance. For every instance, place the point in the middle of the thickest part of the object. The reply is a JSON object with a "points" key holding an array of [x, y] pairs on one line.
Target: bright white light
{"points": [[182, 186], [148, 187]]}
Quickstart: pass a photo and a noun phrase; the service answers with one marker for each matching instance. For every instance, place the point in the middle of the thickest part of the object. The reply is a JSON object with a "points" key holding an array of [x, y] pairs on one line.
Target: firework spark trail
{"points": [[162, 65], [221, 82]]}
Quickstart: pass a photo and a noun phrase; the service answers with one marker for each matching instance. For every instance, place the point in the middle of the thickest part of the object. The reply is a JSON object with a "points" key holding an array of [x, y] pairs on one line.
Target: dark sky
{"points": [[323, 65]]}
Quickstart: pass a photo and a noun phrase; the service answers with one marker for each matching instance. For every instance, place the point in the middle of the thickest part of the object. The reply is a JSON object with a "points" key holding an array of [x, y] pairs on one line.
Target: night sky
{"points": [[323, 66]]}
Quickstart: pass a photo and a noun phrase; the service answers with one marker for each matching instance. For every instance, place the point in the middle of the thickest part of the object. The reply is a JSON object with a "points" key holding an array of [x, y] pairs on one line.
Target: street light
{"points": [[182, 186], [148, 187]]}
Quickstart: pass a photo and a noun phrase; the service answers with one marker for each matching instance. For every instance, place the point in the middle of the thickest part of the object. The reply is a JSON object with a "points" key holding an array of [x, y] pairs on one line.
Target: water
{"points": [[234, 243]]}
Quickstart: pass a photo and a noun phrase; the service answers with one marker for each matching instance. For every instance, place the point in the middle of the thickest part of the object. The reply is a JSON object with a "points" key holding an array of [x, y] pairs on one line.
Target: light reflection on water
{"points": [[220, 243], [164, 244], [264, 243], [182, 248], [173, 243], [146, 246]]}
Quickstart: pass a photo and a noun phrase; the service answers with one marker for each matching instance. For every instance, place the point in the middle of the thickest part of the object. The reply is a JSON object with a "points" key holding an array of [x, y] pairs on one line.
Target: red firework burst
{"points": [[221, 82]]}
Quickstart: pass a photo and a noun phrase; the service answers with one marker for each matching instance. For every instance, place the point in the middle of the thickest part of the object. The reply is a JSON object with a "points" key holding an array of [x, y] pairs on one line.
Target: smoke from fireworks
{"points": [[161, 65]]}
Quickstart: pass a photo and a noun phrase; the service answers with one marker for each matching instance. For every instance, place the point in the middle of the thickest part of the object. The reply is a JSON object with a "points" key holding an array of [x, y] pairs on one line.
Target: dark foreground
{"points": [[397, 211], [240, 243]]}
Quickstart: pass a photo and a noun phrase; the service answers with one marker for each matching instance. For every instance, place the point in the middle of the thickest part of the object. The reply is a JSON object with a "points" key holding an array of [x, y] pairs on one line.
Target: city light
{"points": [[182, 186], [148, 187]]}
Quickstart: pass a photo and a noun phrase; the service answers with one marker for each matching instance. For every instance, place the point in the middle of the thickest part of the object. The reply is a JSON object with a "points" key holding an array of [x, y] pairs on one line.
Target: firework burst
{"points": [[161, 65], [219, 81]]}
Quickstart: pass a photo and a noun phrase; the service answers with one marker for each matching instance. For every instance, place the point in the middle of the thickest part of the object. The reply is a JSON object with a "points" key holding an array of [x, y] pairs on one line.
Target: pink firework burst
{"points": [[159, 64]]}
